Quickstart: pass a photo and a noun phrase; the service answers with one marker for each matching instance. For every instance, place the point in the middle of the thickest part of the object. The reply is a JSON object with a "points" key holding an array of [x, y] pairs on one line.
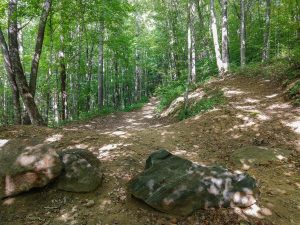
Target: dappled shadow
{"points": [[256, 115]]}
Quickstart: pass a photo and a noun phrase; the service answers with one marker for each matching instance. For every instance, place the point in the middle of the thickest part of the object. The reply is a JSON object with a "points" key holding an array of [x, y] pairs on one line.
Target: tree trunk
{"points": [[225, 51], [138, 69], [266, 48], [101, 67], [63, 79], [39, 46], [12, 80], [215, 36], [63, 90], [23, 87], [242, 34], [191, 42]]}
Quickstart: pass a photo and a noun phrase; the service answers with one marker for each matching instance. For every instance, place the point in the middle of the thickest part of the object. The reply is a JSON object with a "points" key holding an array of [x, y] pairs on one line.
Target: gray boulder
{"points": [[81, 171], [177, 186], [25, 165]]}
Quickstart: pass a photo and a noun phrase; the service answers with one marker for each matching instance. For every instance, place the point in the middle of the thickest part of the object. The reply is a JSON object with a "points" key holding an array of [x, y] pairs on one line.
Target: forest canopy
{"points": [[70, 59]]}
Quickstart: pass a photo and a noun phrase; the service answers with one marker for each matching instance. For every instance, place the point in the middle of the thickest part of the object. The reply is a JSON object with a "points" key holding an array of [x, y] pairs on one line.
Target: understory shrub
{"points": [[212, 99]]}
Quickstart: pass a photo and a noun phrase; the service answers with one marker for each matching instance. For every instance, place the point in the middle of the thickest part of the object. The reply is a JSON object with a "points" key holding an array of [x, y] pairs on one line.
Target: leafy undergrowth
{"points": [[282, 70], [167, 94], [212, 99]]}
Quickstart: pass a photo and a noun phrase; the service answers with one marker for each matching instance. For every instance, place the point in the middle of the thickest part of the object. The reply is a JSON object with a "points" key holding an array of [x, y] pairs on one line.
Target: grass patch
{"points": [[213, 99]]}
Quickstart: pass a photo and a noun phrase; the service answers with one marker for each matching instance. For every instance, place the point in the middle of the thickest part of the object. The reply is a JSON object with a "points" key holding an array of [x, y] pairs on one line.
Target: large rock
{"points": [[25, 165], [175, 185], [81, 171]]}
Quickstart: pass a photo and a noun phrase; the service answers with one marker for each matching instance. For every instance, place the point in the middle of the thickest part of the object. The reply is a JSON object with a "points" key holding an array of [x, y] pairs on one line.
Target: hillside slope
{"points": [[256, 114]]}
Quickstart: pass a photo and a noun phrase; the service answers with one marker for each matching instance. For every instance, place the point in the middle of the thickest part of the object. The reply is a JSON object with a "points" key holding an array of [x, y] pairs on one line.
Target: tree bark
{"points": [[12, 79], [225, 51], [266, 48], [63, 83], [101, 67], [23, 87], [242, 34], [215, 36], [39, 46], [191, 42]]}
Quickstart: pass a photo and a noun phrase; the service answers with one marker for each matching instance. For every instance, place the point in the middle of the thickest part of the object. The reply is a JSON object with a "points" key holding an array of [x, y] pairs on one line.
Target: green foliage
{"points": [[88, 115], [211, 100], [136, 106], [275, 69], [168, 93], [294, 90], [154, 29]]}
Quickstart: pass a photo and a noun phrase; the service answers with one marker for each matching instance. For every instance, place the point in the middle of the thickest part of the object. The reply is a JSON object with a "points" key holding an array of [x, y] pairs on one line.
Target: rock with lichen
{"points": [[24, 166], [178, 186], [81, 171]]}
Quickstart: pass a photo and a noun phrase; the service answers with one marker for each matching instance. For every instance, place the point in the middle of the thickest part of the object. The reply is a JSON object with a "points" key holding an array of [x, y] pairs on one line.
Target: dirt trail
{"points": [[255, 114], [122, 121]]}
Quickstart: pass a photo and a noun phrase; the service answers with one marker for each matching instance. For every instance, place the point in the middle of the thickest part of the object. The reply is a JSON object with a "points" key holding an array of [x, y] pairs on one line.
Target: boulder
{"points": [[81, 171], [26, 165], [178, 186]]}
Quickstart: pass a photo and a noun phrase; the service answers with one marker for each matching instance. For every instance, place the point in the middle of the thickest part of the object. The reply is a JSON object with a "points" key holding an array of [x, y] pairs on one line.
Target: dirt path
{"points": [[122, 121], [256, 114]]}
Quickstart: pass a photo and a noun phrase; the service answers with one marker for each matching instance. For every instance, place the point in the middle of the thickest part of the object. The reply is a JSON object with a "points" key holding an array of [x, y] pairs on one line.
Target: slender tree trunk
{"points": [[89, 59], [23, 87], [266, 48], [191, 42], [63, 80], [243, 34], [138, 69], [39, 46], [12, 79], [215, 36], [225, 51], [101, 67]]}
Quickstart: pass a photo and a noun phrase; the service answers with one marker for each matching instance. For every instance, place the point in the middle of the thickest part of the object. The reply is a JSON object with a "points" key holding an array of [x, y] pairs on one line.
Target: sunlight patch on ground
{"points": [[69, 217], [256, 114], [148, 114], [248, 122], [246, 108], [280, 106], [272, 96], [119, 133], [106, 150], [230, 92], [295, 125], [78, 146], [54, 138], [179, 152], [9, 201], [263, 117], [251, 100], [3, 142]]}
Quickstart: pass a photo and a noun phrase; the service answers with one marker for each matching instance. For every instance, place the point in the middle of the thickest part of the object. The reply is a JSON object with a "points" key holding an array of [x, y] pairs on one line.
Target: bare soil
{"points": [[255, 114]]}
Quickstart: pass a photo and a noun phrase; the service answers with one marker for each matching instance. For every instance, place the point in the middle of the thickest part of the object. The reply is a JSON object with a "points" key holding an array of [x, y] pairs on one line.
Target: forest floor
{"points": [[255, 114]]}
